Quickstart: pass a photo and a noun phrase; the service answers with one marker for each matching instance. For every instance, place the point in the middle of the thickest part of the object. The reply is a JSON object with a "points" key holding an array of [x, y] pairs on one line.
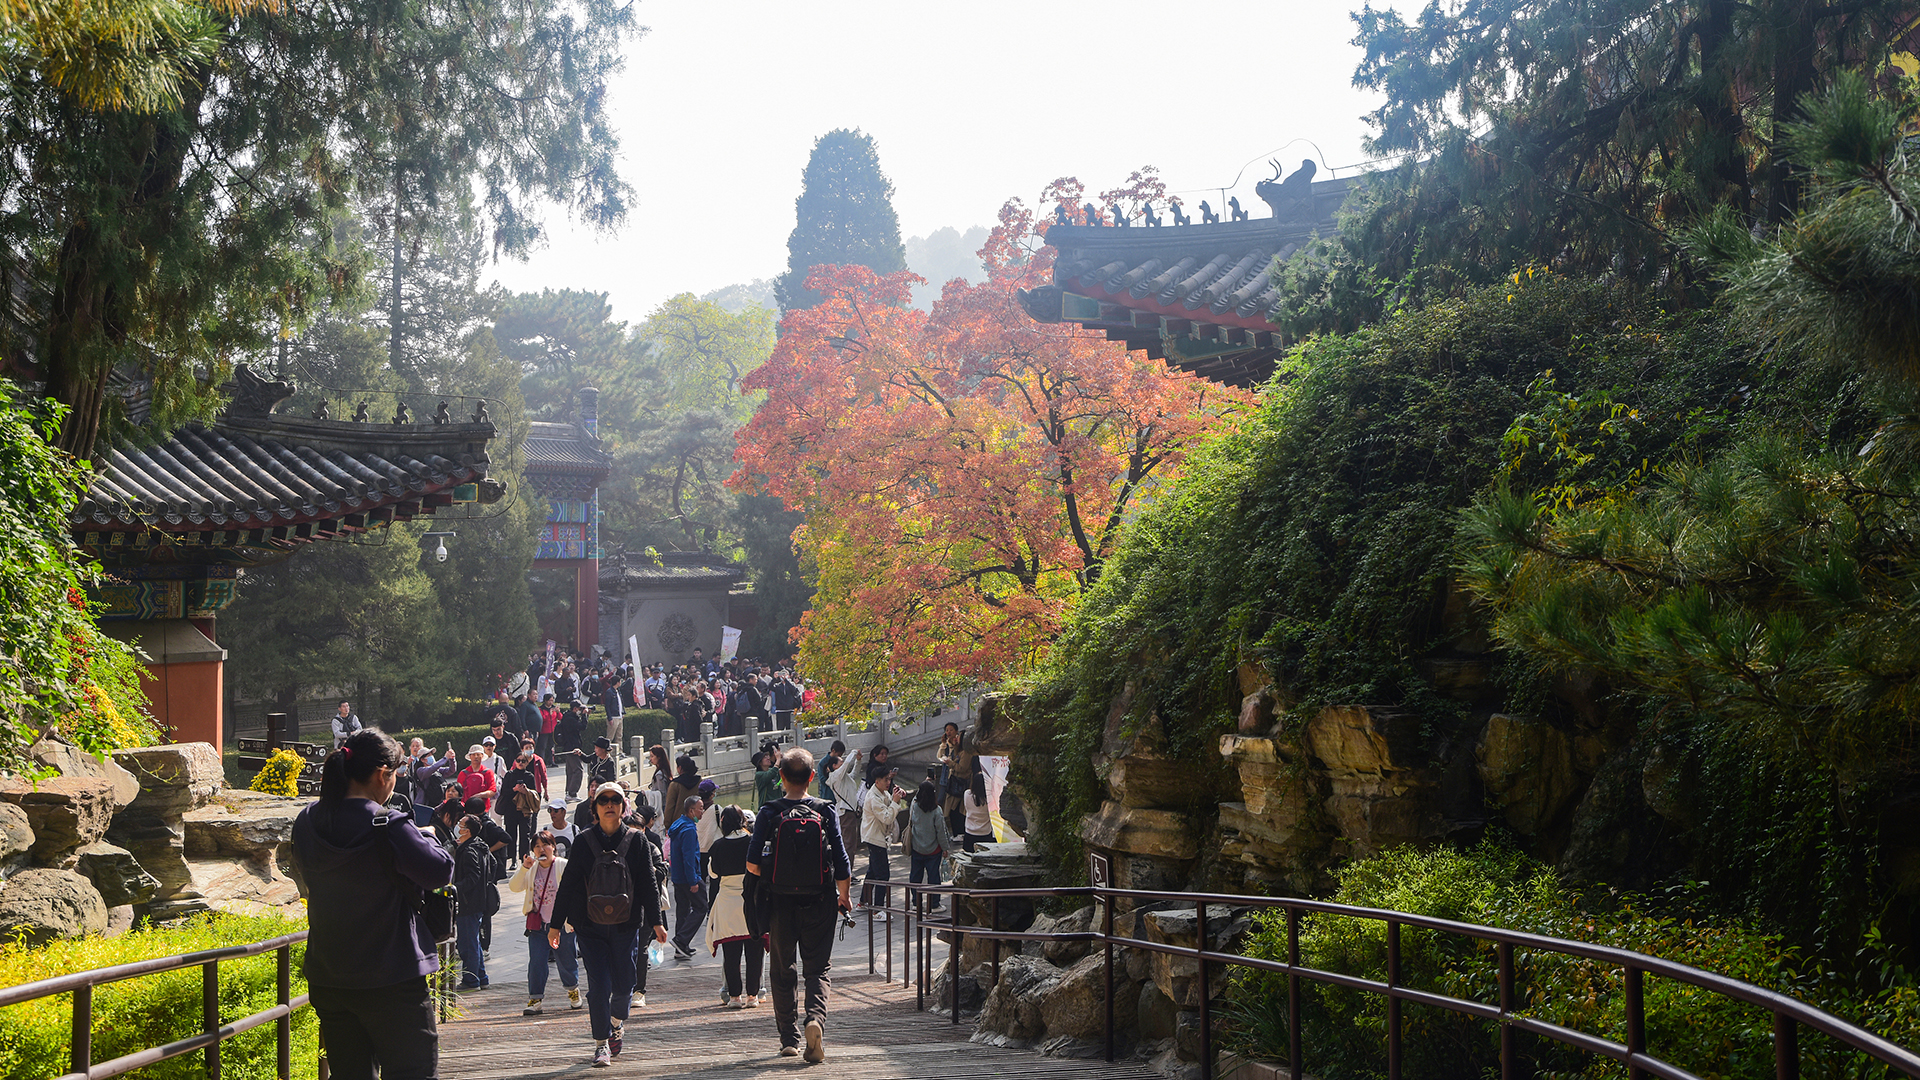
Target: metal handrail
{"points": [[213, 1030], [1789, 1013]]}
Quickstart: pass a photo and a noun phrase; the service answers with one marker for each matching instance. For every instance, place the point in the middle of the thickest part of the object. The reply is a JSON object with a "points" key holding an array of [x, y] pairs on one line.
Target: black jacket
{"points": [[473, 873], [571, 903]]}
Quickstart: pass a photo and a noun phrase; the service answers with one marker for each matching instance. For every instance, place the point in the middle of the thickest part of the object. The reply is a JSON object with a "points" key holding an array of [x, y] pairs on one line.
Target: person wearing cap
{"points": [[497, 764], [600, 770], [477, 778], [607, 950], [563, 830]]}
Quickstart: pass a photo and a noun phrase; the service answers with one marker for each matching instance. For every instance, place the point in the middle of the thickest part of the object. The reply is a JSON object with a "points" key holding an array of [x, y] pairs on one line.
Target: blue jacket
{"points": [[684, 835]]}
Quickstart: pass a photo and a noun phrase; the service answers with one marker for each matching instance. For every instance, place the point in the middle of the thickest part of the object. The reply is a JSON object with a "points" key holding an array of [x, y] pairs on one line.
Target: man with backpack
{"points": [[607, 895], [802, 864]]}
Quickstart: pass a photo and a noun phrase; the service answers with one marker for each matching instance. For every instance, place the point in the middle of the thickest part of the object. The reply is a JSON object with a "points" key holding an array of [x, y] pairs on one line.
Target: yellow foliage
{"points": [[154, 1009]]}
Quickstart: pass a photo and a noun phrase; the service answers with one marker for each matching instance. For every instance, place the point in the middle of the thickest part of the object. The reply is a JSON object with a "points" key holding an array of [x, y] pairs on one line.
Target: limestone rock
{"points": [[1012, 1007], [1528, 768], [1379, 792], [1076, 1005], [115, 874], [1178, 977], [1155, 1013], [241, 824], [1073, 922], [70, 760], [46, 904], [174, 779], [1152, 780], [16, 838], [1165, 834], [245, 886], [1256, 711], [237, 848], [65, 812]]}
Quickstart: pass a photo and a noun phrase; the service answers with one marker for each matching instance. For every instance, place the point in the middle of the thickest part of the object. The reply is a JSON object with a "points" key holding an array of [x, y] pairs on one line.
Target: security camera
{"points": [[440, 553]]}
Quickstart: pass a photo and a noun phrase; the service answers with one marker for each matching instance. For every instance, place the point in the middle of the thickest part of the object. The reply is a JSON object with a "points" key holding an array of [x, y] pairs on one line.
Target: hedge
{"points": [[150, 1010]]}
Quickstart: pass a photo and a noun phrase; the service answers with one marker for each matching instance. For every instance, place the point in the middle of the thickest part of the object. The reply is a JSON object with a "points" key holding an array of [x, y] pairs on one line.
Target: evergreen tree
{"points": [[1579, 135], [844, 216], [163, 241]]}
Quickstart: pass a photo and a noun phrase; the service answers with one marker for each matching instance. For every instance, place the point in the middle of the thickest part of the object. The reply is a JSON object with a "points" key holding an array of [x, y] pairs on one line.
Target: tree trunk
{"points": [[1793, 75]]}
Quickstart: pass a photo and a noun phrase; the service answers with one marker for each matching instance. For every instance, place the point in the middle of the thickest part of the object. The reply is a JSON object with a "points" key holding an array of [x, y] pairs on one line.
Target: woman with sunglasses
{"points": [[607, 948], [369, 951]]}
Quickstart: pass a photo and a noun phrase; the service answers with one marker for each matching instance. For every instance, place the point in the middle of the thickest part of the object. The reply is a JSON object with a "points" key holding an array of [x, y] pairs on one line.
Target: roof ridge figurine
{"points": [[401, 416], [443, 414], [1289, 195]]}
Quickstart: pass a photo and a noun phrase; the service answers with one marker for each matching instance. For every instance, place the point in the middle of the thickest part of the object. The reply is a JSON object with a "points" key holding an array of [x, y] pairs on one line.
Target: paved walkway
{"points": [[873, 1032]]}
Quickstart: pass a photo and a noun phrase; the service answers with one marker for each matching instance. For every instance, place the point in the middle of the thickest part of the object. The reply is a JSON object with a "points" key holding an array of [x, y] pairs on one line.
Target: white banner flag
{"points": [[729, 642], [633, 650]]}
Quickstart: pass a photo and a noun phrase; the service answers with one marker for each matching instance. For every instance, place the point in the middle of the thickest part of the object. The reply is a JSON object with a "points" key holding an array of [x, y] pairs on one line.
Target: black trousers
{"points": [[390, 1028], [689, 911], [754, 954], [520, 833], [806, 930]]}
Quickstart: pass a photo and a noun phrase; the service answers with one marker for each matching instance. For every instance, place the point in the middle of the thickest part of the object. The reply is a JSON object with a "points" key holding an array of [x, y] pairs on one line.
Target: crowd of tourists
{"points": [[599, 870]]}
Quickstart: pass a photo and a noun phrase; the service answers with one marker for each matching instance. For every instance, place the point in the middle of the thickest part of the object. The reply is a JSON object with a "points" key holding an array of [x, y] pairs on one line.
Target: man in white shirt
{"points": [[493, 761]]}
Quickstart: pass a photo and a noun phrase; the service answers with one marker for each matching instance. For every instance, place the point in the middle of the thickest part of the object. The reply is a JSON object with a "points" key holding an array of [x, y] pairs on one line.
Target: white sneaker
{"points": [[789, 1051], [639, 1001], [573, 998], [753, 1001], [532, 1009], [602, 1057], [734, 1002]]}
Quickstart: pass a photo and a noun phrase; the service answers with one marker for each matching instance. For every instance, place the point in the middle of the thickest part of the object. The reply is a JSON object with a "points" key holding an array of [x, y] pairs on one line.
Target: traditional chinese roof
{"points": [[564, 459], [676, 567], [255, 479], [1199, 297]]}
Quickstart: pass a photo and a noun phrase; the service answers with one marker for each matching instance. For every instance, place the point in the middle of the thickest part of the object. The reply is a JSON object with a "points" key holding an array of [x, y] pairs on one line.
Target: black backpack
{"points": [[799, 844], [610, 882]]}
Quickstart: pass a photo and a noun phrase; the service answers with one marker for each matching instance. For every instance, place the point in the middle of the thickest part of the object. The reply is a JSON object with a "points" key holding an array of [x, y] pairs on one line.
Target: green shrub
{"points": [[1698, 1030], [133, 1014]]}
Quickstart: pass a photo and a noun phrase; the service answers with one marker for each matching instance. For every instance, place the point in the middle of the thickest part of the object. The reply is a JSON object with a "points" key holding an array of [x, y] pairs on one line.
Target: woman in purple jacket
{"points": [[369, 952]]}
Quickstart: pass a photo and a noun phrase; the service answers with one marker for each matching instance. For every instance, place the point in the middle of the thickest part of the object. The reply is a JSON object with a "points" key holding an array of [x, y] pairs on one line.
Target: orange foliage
{"points": [[965, 472]]}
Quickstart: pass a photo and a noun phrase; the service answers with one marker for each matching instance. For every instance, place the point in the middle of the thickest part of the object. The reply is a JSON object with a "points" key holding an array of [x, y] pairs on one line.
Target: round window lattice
{"points": [[676, 633]]}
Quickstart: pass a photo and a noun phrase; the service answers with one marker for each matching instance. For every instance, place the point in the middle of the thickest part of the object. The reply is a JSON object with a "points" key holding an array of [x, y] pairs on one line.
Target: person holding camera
{"points": [[539, 878], [369, 951]]}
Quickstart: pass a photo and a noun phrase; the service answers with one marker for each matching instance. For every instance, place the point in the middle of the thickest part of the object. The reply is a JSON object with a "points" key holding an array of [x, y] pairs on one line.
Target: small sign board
{"points": [[1099, 870]]}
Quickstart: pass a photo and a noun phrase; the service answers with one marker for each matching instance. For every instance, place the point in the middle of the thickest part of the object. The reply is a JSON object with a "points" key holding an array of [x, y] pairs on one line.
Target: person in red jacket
{"points": [[549, 721], [477, 779]]}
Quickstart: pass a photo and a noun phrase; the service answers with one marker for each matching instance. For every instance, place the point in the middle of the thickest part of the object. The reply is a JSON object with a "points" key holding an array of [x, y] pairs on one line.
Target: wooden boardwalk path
{"points": [[873, 1031]]}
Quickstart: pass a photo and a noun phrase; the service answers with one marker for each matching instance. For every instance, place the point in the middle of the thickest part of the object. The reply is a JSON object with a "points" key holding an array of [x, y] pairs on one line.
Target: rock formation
{"points": [[174, 779], [40, 905]]}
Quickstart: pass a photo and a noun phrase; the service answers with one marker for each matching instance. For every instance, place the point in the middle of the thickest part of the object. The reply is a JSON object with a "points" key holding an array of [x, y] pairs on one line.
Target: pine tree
{"points": [[845, 216], [162, 242]]}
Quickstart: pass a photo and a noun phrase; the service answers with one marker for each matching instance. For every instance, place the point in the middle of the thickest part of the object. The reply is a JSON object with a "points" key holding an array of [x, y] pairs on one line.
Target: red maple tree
{"points": [[964, 472]]}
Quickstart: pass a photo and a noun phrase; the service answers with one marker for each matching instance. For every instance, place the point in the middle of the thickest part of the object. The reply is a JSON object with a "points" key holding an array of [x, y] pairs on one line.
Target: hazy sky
{"points": [[969, 103]]}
